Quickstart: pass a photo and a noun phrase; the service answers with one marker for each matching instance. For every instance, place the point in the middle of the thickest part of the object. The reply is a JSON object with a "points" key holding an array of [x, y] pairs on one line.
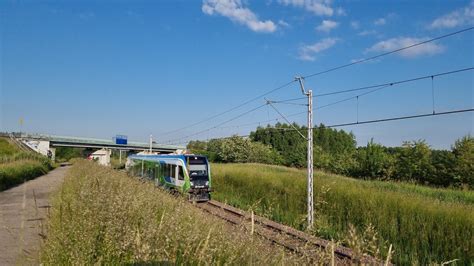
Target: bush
{"points": [[19, 171], [443, 172], [235, 149], [335, 151], [414, 162], [373, 162], [64, 154], [464, 152], [17, 166]]}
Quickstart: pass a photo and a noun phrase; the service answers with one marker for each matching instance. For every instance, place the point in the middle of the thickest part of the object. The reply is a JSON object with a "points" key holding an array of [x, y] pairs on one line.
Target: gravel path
{"points": [[23, 211]]}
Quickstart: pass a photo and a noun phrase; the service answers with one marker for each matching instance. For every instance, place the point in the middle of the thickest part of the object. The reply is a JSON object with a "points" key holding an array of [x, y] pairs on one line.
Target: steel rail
{"points": [[276, 232]]}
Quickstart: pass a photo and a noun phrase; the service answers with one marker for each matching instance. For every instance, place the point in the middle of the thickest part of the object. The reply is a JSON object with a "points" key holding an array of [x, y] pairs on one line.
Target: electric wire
{"points": [[383, 84], [229, 110], [270, 103], [388, 53], [375, 88], [220, 124], [383, 119], [317, 74], [353, 97], [364, 122], [402, 118], [264, 121]]}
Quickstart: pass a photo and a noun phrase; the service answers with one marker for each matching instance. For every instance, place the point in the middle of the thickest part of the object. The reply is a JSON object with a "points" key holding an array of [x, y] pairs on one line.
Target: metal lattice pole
{"points": [[310, 159], [310, 203]]}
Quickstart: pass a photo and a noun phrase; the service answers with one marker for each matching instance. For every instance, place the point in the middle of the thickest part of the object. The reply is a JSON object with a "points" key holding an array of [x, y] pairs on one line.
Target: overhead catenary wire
{"points": [[317, 74], [218, 125], [376, 87], [286, 119], [388, 53], [388, 119], [401, 118], [229, 110], [353, 97], [383, 84], [247, 124], [264, 121], [362, 122]]}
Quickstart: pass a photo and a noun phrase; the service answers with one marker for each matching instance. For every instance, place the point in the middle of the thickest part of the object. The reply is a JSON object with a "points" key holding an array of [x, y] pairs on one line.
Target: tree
{"points": [[333, 150], [464, 153], [374, 162], [237, 150], [197, 145], [414, 162], [443, 174]]}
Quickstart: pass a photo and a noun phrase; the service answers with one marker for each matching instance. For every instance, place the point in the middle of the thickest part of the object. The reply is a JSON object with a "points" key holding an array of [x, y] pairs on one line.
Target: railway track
{"points": [[285, 236]]}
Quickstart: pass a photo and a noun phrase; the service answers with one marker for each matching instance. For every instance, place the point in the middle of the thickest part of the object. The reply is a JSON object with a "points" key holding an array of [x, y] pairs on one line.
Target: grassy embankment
{"points": [[425, 225], [102, 216], [17, 166]]}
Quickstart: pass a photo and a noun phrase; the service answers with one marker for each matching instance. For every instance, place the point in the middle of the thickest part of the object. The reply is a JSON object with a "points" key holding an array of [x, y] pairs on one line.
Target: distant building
{"points": [[101, 156]]}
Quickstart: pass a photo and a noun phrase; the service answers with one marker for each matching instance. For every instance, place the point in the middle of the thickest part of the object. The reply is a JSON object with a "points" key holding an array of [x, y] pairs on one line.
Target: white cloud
{"points": [[380, 21], [400, 42], [459, 17], [318, 7], [235, 11], [355, 25], [340, 11], [308, 52], [327, 25], [366, 32], [384, 20], [283, 23]]}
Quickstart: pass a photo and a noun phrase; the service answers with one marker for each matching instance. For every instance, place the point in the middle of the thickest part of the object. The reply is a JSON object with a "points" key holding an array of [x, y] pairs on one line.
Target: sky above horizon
{"points": [[101, 68]]}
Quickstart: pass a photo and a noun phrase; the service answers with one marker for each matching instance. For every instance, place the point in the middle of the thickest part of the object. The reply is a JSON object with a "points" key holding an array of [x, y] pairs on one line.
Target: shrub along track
{"points": [[288, 237]]}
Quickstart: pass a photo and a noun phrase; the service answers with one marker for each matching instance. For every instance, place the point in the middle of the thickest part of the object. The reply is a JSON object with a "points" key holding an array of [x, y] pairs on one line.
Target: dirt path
{"points": [[22, 213]]}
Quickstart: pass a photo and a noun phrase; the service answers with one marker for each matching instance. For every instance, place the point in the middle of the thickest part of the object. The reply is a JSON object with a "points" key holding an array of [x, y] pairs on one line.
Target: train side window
{"points": [[173, 171], [166, 170], [162, 170], [180, 173]]}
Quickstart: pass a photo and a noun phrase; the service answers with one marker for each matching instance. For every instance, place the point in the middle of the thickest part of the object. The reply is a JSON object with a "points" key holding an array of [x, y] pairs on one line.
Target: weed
{"points": [[425, 225], [102, 216]]}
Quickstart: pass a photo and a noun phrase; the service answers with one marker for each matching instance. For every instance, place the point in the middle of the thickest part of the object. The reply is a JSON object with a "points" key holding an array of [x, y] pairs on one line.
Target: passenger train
{"points": [[187, 173]]}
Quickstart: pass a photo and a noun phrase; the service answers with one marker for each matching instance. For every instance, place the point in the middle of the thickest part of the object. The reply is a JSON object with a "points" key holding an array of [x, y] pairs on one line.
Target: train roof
{"points": [[165, 156]]}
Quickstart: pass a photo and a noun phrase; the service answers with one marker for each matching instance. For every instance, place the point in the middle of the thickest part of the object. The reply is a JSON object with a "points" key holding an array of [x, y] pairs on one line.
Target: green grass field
{"points": [[102, 216], [17, 166], [425, 225]]}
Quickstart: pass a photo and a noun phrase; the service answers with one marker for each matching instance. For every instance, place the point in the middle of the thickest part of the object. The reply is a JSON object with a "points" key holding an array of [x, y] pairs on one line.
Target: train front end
{"points": [[199, 177]]}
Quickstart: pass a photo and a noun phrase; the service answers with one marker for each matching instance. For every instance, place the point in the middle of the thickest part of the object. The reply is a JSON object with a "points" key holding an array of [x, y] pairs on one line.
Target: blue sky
{"points": [[100, 68]]}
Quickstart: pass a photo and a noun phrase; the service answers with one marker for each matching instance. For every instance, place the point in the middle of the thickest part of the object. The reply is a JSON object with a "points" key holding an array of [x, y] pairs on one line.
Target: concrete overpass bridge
{"points": [[45, 144]]}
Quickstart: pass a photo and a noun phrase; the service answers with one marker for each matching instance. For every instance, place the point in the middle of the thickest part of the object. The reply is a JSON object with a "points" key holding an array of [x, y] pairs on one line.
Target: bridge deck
{"points": [[66, 141]]}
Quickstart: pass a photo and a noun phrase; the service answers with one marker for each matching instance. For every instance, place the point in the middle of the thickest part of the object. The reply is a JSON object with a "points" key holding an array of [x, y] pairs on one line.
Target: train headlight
{"points": [[192, 183], [207, 183]]}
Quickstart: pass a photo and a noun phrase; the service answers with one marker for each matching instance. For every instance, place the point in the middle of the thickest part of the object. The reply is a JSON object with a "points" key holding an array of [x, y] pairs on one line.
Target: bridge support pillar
{"points": [[53, 153]]}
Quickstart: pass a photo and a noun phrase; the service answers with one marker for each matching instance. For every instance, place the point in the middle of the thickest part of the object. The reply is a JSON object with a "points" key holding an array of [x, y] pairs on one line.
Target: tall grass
{"points": [[102, 216], [16, 172], [425, 225], [6, 148], [17, 166]]}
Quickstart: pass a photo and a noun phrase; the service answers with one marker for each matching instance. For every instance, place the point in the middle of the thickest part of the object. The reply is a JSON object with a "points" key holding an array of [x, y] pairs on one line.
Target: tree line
{"points": [[336, 151]]}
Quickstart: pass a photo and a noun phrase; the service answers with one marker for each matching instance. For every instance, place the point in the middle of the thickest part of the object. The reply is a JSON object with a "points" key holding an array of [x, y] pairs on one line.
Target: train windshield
{"points": [[197, 168]]}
